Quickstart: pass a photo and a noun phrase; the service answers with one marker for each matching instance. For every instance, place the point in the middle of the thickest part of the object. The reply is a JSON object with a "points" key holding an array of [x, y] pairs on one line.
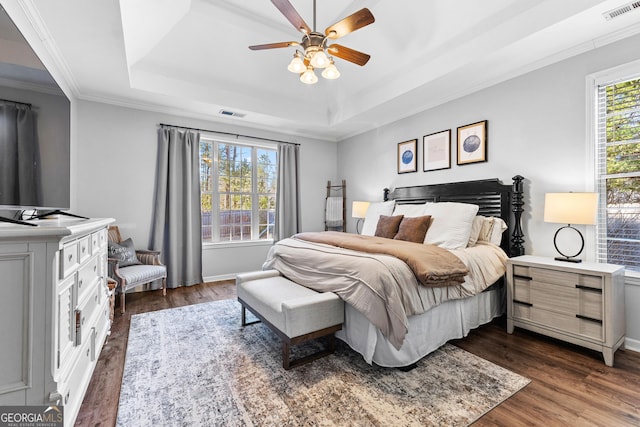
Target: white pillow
{"points": [[492, 230], [476, 228], [496, 231], [373, 214], [411, 211], [450, 224]]}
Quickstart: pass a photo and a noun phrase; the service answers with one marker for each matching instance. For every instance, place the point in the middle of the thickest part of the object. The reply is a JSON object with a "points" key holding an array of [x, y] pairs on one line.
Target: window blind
{"points": [[618, 173]]}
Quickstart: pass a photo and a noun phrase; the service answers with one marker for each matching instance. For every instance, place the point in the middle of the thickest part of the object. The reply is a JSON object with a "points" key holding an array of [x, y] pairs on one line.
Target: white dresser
{"points": [[579, 303], [54, 310]]}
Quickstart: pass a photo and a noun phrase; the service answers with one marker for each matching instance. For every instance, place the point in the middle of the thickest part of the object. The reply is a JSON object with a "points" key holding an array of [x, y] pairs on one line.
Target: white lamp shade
{"points": [[296, 65], [331, 72], [319, 59], [571, 208], [309, 77], [359, 209]]}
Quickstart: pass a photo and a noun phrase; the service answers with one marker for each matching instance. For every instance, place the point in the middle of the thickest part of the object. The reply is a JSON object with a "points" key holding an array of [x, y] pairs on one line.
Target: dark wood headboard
{"points": [[492, 196]]}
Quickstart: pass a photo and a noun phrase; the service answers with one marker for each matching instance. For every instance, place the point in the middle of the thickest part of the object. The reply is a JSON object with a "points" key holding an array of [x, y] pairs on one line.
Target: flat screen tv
{"points": [[34, 130]]}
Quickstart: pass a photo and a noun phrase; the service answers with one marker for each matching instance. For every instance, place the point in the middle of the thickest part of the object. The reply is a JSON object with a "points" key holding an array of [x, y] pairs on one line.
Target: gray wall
{"points": [[536, 128], [114, 176]]}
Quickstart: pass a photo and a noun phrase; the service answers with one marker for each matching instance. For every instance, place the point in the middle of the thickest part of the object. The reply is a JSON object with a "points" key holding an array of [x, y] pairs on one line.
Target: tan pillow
{"points": [[413, 229], [388, 226]]}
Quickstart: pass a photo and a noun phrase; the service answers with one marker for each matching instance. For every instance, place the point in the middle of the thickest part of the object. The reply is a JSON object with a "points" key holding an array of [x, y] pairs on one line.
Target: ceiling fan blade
{"points": [[348, 54], [273, 45], [360, 19], [292, 15]]}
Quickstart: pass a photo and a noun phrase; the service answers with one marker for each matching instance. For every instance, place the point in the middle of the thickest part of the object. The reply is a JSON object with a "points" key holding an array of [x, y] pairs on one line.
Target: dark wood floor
{"points": [[570, 386]]}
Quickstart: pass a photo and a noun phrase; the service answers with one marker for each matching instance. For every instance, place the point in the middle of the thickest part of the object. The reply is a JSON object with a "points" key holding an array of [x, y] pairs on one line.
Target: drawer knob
{"points": [[95, 267], [70, 257], [80, 283]]}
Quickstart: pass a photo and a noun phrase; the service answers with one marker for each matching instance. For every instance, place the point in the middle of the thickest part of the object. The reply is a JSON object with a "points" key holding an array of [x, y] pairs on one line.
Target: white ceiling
{"points": [[191, 57]]}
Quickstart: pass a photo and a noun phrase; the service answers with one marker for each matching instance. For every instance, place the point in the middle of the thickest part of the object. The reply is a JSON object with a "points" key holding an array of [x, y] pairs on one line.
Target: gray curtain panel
{"points": [[176, 227], [19, 156], [288, 220]]}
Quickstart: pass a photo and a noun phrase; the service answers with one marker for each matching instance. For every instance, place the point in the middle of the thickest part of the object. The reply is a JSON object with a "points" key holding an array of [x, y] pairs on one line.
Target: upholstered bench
{"points": [[295, 313]]}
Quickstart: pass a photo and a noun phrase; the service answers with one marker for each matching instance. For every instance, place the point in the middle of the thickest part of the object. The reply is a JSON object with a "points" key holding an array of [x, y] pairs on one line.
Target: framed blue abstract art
{"points": [[407, 156]]}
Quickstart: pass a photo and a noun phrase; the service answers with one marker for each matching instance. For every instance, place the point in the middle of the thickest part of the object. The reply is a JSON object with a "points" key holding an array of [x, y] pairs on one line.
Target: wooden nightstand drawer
{"points": [[566, 323], [561, 299]]}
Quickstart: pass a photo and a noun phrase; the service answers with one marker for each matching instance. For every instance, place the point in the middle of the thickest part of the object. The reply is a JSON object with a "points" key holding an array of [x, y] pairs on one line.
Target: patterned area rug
{"points": [[196, 366]]}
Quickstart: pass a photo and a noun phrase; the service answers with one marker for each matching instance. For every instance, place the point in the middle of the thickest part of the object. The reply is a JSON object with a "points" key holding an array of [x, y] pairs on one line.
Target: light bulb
{"points": [[320, 59], [309, 77], [331, 72], [296, 65]]}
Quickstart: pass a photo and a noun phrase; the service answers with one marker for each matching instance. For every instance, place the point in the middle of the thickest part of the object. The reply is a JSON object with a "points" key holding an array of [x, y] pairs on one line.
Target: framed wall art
{"points": [[407, 156], [472, 143], [436, 151]]}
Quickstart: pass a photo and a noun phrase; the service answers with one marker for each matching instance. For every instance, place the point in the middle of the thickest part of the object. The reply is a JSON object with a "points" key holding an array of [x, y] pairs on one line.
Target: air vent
{"points": [[231, 113], [614, 13]]}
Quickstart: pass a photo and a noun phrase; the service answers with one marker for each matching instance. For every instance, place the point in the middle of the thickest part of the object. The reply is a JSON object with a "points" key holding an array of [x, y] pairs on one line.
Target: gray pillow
{"points": [[124, 252]]}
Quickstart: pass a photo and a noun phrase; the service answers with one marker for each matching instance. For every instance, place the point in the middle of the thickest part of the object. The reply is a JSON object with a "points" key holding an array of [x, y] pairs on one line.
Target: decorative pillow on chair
{"points": [[124, 252], [413, 229], [388, 226]]}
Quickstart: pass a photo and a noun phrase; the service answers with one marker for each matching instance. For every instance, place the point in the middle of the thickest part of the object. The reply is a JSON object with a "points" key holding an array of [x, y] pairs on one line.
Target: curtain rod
{"points": [[229, 133], [16, 102]]}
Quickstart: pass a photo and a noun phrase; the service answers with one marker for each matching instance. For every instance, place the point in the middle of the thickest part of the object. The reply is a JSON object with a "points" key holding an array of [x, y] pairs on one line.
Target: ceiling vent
{"points": [[231, 113], [614, 13]]}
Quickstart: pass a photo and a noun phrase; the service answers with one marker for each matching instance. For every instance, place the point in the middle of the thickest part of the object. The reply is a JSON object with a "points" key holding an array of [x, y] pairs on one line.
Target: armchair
{"points": [[141, 267]]}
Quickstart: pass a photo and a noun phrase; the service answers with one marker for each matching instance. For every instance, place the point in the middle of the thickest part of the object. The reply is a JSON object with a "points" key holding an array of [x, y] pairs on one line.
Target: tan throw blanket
{"points": [[432, 265]]}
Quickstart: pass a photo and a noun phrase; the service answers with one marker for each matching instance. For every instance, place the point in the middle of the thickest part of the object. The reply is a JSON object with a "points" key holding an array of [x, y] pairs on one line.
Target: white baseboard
{"points": [[631, 344], [219, 278]]}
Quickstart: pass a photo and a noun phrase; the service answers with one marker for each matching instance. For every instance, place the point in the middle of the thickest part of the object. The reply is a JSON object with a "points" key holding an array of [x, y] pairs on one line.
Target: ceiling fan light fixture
{"points": [[319, 59], [296, 65], [309, 77], [331, 72]]}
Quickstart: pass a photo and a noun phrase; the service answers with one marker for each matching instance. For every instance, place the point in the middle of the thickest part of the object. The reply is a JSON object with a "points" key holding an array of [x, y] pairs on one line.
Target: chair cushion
{"points": [[139, 274], [125, 252]]}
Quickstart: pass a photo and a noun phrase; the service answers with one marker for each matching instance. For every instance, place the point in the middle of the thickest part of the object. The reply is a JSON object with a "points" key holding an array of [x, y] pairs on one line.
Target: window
{"points": [[617, 156], [238, 191]]}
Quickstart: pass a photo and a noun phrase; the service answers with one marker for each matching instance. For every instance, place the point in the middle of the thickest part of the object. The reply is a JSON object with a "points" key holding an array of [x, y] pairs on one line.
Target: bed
{"points": [[395, 316]]}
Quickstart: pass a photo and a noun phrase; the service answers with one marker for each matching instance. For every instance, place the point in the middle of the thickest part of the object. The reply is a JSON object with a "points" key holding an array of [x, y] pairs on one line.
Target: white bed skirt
{"points": [[427, 331]]}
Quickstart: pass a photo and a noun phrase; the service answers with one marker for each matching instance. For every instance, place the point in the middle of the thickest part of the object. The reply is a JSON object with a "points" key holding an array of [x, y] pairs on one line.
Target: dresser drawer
{"points": [[559, 298], [98, 240], [563, 278], [562, 322], [69, 259], [86, 313], [88, 275], [71, 388], [84, 249]]}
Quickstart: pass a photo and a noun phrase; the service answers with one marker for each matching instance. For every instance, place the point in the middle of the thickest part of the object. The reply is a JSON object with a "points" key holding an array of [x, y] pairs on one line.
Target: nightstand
{"points": [[578, 303]]}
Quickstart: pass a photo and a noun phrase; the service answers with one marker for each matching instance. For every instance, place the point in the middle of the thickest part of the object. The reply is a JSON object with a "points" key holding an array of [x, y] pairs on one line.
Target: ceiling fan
{"points": [[314, 44]]}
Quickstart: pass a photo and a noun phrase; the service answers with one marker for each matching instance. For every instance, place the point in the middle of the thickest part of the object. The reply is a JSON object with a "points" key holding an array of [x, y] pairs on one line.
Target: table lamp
{"points": [[359, 210], [570, 208]]}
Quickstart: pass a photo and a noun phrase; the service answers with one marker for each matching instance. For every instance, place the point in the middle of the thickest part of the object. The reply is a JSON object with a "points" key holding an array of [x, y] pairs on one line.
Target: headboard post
{"points": [[517, 247]]}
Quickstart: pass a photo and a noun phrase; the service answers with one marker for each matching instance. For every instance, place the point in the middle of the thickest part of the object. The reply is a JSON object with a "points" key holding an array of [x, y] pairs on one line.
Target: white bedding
{"points": [[427, 331], [371, 282]]}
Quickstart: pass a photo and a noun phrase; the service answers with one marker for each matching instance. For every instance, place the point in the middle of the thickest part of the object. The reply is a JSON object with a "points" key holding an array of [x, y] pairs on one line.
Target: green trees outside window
{"points": [[238, 191]]}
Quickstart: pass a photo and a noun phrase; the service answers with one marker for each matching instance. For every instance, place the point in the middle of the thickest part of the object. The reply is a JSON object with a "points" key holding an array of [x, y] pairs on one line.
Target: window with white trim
{"points": [[617, 155], [237, 190]]}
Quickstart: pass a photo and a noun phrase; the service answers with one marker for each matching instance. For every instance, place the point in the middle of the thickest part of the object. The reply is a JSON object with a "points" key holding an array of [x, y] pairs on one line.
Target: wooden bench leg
{"points": [[243, 317], [286, 351]]}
